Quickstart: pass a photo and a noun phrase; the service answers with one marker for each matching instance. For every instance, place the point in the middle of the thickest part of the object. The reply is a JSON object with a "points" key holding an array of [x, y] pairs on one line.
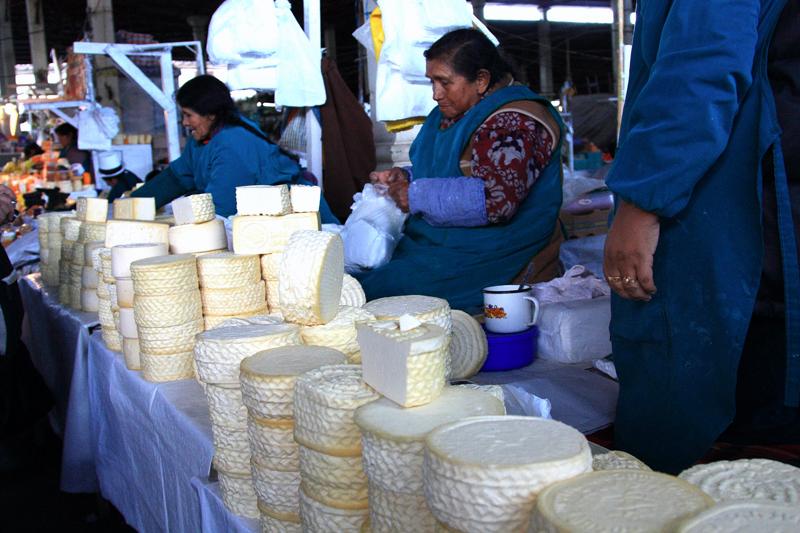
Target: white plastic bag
{"points": [[97, 125], [242, 30], [373, 229], [299, 64]]}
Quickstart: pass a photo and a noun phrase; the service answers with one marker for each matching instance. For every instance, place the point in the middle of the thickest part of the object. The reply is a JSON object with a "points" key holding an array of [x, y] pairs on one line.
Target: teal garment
{"points": [[455, 263], [232, 158], [699, 119]]}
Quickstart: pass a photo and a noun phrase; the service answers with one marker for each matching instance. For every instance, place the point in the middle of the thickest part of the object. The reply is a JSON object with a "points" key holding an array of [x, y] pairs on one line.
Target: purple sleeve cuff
{"points": [[459, 201]]}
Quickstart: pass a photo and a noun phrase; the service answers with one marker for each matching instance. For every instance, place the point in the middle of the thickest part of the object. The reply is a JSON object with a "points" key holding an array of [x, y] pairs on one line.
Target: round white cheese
{"points": [[333, 480], [225, 405], [170, 339], [324, 403], [168, 274], [352, 292], [170, 367], [212, 321], [130, 349], [272, 443], [238, 494], [398, 511], [744, 517], [124, 292], [89, 300], [167, 310], [617, 500], [226, 270], [747, 479], [127, 324], [270, 266], [273, 522], [268, 377], [340, 333], [322, 518], [220, 351], [112, 339], [468, 346], [482, 474], [393, 437], [280, 491], [124, 254], [310, 278], [617, 460], [232, 301], [195, 238]]}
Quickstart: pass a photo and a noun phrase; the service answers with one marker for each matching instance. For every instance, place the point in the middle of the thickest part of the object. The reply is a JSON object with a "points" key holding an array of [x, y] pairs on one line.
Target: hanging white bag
{"points": [[97, 126], [241, 31], [299, 63]]}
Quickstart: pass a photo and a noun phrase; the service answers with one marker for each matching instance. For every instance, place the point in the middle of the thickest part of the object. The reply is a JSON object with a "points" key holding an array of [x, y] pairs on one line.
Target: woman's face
{"points": [[199, 125], [454, 93]]}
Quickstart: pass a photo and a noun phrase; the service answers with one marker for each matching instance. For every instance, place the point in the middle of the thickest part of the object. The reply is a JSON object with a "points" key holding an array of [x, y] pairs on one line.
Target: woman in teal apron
{"points": [[466, 231], [684, 253]]}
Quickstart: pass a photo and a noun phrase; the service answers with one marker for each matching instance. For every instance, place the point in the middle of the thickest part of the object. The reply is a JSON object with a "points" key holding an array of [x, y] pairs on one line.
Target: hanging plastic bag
{"points": [[299, 64], [97, 125], [373, 230], [241, 31]]}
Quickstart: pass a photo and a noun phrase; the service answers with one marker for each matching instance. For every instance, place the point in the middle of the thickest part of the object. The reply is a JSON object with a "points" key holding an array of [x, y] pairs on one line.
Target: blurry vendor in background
{"points": [[225, 151], [67, 136], [484, 188], [113, 171]]}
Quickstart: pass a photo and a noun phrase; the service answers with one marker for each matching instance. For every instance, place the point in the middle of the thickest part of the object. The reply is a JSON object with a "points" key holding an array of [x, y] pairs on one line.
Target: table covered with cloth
{"points": [[147, 447]]}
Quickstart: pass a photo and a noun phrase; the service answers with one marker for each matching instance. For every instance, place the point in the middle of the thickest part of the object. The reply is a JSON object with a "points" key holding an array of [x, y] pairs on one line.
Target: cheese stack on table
{"points": [[230, 286], [426, 309], [106, 302], [168, 313], [91, 231], [484, 473], [195, 229], [70, 231], [265, 220], [122, 256], [218, 355], [90, 280], [393, 441], [268, 379], [333, 485], [50, 245]]}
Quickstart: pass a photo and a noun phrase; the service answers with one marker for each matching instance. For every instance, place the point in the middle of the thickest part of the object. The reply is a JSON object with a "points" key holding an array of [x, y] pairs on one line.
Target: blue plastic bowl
{"points": [[508, 351]]}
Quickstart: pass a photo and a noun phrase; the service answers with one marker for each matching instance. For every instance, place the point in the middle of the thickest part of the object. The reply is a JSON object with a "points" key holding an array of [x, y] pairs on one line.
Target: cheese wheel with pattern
{"points": [[310, 278], [168, 309], [170, 339], [339, 333], [270, 266], [468, 346], [321, 518], [194, 209], [352, 292], [744, 516], [226, 270], [169, 274], [235, 300], [92, 231]]}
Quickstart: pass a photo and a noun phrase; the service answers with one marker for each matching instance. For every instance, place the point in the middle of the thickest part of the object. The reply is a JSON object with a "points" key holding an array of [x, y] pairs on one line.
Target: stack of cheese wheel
{"points": [[70, 231], [168, 313], [89, 233], [265, 219], [49, 247], [405, 361], [90, 279], [482, 474], [218, 354], [267, 380], [621, 500], [393, 440], [230, 286], [105, 307], [121, 258], [196, 229], [340, 333], [333, 495], [426, 309]]}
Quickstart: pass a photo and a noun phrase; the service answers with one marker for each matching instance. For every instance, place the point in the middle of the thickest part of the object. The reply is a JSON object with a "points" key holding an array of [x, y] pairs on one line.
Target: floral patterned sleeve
{"points": [[509, 151]]}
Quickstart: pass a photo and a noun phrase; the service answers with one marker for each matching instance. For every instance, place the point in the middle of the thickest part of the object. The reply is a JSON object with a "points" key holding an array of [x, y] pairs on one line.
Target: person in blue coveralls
{"points": [[484, 186], [226, 151], [703, 253]]}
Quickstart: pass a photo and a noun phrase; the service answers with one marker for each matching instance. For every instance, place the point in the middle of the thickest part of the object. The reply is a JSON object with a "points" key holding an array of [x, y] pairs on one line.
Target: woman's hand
{"points": [[628, 258], [398, 191], [385, 177]]}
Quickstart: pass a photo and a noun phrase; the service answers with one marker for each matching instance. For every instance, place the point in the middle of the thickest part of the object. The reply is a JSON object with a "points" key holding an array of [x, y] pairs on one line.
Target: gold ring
{"points": [[613, 279], [627, 280]]}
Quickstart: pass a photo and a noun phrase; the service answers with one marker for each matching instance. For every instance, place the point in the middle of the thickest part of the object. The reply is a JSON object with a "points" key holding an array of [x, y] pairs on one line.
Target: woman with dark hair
{"points": [[226, 151], [484, 188], [67, 136]]}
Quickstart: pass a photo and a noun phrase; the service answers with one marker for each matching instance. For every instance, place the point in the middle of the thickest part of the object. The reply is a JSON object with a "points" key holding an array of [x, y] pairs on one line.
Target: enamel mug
{"points": [[509, 308]]}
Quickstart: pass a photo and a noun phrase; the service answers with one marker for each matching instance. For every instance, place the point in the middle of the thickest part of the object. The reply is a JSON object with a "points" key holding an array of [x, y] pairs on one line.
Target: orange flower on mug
{"points": [[494, 311]]}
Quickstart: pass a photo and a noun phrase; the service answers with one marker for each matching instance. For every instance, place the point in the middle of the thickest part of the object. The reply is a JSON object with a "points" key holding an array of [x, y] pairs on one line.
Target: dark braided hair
{"points": [[469, 51]]}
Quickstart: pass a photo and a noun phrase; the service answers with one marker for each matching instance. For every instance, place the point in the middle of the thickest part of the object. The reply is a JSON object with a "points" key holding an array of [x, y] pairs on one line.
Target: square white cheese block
{"points": [[91, 209], [263, 200], [135, 209], [408, 367], [266, 234], [305, 198]]}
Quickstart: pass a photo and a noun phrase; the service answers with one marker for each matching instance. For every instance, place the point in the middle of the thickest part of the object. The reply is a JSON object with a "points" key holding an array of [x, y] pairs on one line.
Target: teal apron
{"points": [[677, 356], [455, 263]]}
